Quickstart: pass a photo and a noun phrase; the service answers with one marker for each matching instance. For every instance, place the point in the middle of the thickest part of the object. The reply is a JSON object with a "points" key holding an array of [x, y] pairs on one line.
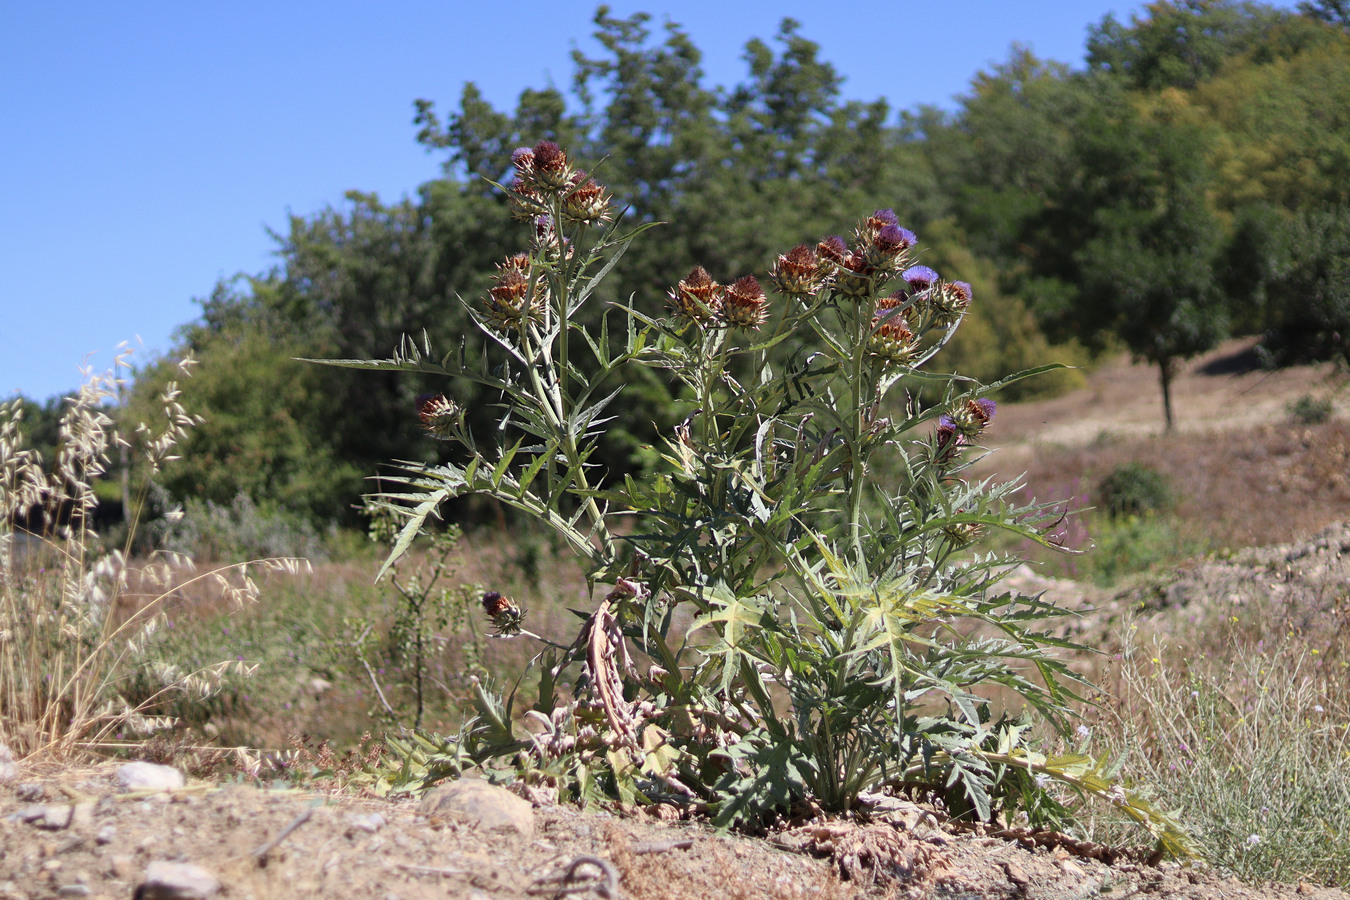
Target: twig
{"points": [[558, 886], [430, 870], [261, 853], [664, 846], [371, 672]]}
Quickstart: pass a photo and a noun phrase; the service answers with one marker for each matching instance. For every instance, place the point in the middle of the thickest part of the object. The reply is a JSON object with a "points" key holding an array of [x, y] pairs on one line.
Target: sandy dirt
{"points": [[72, 832]]}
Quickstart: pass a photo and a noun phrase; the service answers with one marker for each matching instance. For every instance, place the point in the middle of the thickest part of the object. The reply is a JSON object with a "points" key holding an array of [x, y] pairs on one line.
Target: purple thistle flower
{"points": [[988, 407], [919, 278], [885, 217], [897, 237], [522, 158]]}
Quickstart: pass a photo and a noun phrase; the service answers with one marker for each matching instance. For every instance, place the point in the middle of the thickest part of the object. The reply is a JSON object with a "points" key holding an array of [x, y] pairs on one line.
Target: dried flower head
{"points": [[505, 613], [550, 166], [697, 297], [833, 249], [744, 304], [798, 273], [513, 298], [438, 414], [856, 277], [586, 202]]}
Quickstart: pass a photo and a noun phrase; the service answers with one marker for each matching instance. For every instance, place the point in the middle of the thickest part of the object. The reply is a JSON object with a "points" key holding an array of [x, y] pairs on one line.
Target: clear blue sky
{"points": [[145, 147]]}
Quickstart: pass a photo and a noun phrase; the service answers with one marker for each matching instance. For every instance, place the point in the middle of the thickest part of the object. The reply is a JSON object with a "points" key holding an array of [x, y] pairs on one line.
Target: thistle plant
{"points": [[792, 607]]}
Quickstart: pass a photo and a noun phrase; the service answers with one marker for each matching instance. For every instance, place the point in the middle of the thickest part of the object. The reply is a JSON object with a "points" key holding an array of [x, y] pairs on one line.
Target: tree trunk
{"points": [[1165, 372]]}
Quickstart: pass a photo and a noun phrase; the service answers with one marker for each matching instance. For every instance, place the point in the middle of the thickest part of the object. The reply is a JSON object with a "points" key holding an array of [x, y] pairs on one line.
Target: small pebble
{"points": [[74, 890], [106, 834], [177, 881], [144, 776]]}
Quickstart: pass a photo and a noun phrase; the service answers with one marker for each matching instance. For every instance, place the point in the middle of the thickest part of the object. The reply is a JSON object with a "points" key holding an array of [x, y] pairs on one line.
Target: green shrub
{"points": [[1310, 410], [1134, 489]]}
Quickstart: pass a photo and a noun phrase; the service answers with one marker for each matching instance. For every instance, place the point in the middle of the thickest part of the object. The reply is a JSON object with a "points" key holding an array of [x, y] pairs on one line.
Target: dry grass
{"points": [[75, 619]]}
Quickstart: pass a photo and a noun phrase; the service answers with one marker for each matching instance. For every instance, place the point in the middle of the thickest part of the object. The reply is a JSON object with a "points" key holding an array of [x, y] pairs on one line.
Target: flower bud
{"points": [[697, 297], [587, 202], [833, 250], [970, 418], [798, 273], [949, 303], [855, 278], [891, 340], [438, 414], [744, 304], [505, 613], [962, 533], [513, 298]]}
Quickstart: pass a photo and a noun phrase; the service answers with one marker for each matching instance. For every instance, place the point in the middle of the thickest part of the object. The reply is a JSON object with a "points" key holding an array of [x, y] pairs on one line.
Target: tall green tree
{"points": [[1145, 243]]}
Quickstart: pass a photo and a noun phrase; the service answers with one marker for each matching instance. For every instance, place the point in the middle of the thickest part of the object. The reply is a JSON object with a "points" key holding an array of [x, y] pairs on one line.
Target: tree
{"points": [[1146, 268], [1180, 43]]}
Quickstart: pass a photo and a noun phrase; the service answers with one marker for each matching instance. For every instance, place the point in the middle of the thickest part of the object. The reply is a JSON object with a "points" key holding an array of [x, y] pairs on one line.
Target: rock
{"points": [[8, 770], [369, 824], [74, 890], [30, 793], [106, 834], [52, 817], [477, 801], [176, 881], [144, 776]]}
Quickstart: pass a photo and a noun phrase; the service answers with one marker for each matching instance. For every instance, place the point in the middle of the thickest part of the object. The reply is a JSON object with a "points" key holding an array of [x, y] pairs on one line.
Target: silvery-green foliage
{"points": [[800, 611]]}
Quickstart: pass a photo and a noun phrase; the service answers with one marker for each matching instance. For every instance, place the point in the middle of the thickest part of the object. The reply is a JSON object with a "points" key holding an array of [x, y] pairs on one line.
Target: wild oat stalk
{"points": [[75, 619], [812, 519]]}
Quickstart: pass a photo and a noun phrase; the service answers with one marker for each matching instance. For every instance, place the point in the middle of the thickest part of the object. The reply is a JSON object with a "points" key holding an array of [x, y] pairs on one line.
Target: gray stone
{"points": [[177, 881], [74, 890], [52, 817], [369, 823], [477, 801], [8, 770], [144, 776]]}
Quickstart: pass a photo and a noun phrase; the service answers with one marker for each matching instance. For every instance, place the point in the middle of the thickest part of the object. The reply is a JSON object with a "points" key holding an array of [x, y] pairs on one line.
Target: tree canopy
{"points": [[1193, 176]]}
